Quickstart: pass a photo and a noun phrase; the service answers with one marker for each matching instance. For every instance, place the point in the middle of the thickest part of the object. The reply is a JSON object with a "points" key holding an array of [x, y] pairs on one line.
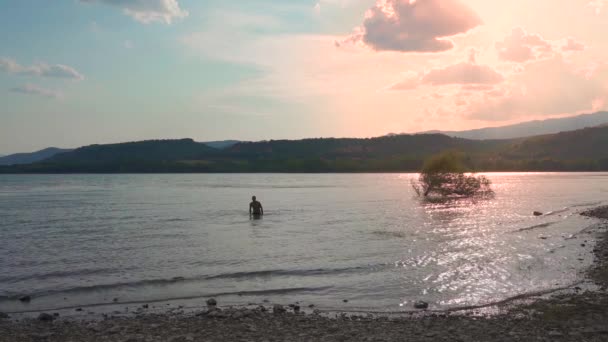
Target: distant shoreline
{"points": [[285, 173]]}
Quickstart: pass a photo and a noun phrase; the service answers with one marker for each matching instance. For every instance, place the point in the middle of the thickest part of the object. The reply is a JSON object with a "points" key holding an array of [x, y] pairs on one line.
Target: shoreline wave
{"points": [[280, 291], [178, 279]]}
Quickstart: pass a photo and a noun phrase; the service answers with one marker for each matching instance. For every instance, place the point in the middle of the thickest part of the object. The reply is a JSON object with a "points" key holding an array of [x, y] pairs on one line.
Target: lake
{"points": [[77, 240]]}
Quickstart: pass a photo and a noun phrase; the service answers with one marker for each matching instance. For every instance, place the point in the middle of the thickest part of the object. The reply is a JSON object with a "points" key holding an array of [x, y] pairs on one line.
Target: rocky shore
{"points": [[572, 315]]}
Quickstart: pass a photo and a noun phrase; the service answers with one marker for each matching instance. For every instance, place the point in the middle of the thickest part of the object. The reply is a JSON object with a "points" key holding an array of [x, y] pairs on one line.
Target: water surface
{"points": [[72, 240]]}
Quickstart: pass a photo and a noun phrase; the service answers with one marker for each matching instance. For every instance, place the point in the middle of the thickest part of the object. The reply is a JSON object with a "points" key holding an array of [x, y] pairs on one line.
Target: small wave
{"points": [[58, 274], [269, 292], [393, 234], [270, 273], [272, 291], [557, 211], [174, 280], [588, 204], [582, 231], [537, 226], [92, 288], [174, 220]]}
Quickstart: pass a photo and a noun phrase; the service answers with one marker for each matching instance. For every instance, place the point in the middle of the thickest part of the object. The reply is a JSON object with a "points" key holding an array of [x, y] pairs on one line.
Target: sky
{"points": [[80, 72]]}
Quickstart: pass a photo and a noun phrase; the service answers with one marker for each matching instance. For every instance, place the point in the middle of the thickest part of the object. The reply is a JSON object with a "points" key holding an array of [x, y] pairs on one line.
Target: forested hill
{"points": [[150, 150], [581, 150], [402, 146]]}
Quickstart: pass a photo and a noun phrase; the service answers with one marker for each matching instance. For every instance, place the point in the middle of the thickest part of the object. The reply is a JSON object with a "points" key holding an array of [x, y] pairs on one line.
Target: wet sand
{"points": [[570, 315]]}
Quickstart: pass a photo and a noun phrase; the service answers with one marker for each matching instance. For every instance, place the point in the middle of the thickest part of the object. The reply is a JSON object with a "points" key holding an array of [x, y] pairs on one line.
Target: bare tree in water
{"points": [[445, 175]]}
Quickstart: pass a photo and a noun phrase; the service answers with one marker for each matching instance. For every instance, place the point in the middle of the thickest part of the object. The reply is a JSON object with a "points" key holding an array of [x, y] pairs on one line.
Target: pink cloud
{"points": [[407, 84], [546, 87], [477, 87], [573, 45], [415, 25], [469, 74], [463, 73], [597, 5], [521, 46]]}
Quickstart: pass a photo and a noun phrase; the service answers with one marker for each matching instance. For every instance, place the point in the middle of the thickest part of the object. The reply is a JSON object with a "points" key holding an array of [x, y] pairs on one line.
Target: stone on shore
{"points": [[3, 315], [421, 305], [186, 338], [278, 309], [42, 336], [242, 314], [25, 299], [211, 302], [538, 213], [45, 317]]}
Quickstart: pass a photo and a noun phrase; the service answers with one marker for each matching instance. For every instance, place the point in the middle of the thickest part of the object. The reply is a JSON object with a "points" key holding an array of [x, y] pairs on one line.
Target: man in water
{"points": [[255, 208]]}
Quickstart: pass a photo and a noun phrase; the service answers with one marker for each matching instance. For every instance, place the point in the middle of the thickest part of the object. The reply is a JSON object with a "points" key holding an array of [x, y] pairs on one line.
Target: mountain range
{"points": [[33, 157], [531, 128], [28, 158], [580, 150], [583, 149]]}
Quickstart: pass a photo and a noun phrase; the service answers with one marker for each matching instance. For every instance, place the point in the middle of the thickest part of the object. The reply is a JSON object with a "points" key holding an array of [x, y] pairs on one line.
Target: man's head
{"points": [[253, 198]]}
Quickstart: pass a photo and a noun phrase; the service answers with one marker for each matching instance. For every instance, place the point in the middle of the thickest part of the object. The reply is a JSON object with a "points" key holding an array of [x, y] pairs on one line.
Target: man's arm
{"points": [[261, 209], [250, 208]]}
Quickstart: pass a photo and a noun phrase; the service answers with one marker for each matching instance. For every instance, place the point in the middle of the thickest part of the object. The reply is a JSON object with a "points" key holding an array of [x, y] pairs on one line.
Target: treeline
{"points": [[582, 150], [310, 165]]}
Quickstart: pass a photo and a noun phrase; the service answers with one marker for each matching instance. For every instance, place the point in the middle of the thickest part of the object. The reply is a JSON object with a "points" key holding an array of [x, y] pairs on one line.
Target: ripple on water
{"points": [[326, 238]]}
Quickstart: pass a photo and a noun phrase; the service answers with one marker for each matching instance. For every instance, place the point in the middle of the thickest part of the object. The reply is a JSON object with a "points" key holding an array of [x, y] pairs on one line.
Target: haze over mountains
{"points": [[27, 158], [531, 128], [222, 144]]}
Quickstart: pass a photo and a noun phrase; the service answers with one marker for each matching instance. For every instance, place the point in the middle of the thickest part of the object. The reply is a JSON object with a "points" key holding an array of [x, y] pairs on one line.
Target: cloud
{"points": [[41, 69], [521, 46], [32, 89], [597, 5], [468, 74], [410, 81], [573, 45], [147, 11], [546, 87], [321, 4], [415, 25], [463, 73], [317, 8], [477, 87]]}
